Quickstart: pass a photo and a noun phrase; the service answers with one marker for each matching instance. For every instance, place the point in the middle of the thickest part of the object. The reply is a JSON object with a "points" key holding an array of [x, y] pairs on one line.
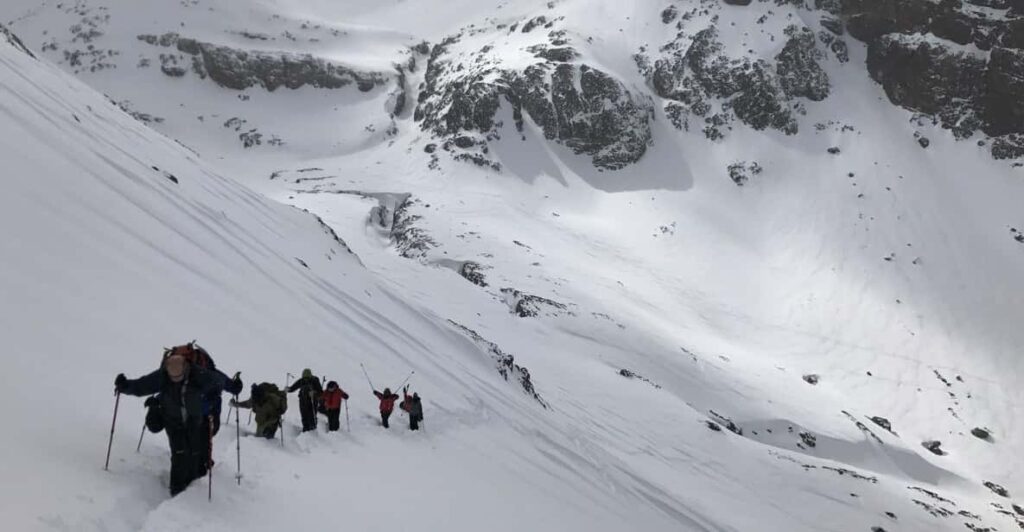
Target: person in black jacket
{"points": [[309, 393], [182, 388], [412, 405]]}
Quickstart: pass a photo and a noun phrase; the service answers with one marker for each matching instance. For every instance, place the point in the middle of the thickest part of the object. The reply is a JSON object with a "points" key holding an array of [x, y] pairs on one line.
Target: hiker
{"points": [[269, 403], [182, 387], [332, 399], [413, 406], [309, 393], [387, 404], [196, 355]]}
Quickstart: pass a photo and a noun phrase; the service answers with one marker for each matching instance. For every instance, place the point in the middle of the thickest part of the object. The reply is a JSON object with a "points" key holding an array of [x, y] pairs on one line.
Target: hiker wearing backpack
{"points": [[309, 393], [269, 403], [413, 406], [182, 387], [333, 397], [387, 404]]}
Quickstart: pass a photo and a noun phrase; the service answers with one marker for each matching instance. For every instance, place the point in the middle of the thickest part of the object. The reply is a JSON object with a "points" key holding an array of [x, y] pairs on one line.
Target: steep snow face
{"points": [[768, 356], [122, 242]]}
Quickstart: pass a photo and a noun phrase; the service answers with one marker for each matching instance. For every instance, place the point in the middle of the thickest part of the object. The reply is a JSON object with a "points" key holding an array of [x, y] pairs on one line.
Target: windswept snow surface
{"points": [[887, 270]]}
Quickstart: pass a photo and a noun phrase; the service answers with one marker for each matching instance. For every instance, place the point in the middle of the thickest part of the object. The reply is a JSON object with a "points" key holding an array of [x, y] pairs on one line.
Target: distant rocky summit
{"points": [[573, 103]]}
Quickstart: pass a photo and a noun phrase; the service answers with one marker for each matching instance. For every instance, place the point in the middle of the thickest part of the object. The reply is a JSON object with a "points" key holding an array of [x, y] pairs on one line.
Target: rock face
{"points": [[961, 63], [575, 104], [13, 40], [242, 69], [705, 88]]}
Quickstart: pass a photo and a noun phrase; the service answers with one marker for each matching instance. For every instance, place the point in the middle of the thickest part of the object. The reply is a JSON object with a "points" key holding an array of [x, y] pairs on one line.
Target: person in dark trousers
{"points": [[413, 406], [333, 397], [309, 393], [268, 403], [387, 404], [182, 387]]}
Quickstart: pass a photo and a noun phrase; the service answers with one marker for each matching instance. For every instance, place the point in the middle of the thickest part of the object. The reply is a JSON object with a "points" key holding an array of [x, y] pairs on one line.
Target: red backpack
{"points": [[195, 355]]}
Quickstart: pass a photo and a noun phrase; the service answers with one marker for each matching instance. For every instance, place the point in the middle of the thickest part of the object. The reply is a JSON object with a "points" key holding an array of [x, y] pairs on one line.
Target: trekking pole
{"points": [[117, 402], [367, 376], [405, 381], [238, 443], [138, 448], [348, 424], [280, 425], [209, 457]]}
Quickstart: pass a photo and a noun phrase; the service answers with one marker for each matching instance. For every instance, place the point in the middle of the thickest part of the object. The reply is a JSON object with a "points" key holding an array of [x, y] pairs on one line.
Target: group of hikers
{"points": [[185, 402]]}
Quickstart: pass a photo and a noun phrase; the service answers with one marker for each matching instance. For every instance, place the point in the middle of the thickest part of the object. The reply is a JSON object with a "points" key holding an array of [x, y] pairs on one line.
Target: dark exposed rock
{"points": [[740, 172], [241, 69], [934, 446], [529, 306], [633, 375], [869, 19], [924, 142], [923, 53], [882, 422], [1008, 146], [713, 426], [13, 40], [809, 439], [473, 272], [832, 24], [997, 489], [980, 433], [834, 150], [811, 378], [576, 105], [696, 73], [797, 66], [1003, 102], [734, 428], [669, 14], [929, 78], [507, 366], [737, 2], [533, 23]]}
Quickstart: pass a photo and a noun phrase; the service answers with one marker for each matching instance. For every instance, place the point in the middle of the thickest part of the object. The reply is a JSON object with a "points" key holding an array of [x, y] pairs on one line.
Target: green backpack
{"points": [[274, 398]]}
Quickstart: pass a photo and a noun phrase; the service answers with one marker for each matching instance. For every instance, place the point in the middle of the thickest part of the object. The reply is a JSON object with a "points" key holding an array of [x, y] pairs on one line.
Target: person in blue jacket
{"points": [[183, 387]]}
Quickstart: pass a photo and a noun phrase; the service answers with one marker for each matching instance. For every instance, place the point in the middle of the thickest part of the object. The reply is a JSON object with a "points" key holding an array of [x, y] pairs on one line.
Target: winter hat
{"points": [[332, 385], [175, 367], [306, 373]]}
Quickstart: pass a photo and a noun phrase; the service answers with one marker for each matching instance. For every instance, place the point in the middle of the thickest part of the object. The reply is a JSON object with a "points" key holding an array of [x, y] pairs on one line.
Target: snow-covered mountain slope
{"points": [[601, 230]]}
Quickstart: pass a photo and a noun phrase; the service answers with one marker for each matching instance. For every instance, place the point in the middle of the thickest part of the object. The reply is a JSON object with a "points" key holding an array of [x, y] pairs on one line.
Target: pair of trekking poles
{"points": [[398, 388], [209, 458]]}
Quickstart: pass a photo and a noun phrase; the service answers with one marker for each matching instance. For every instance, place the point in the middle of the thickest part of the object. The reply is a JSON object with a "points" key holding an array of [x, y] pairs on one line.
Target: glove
{"points": [[233, 403], [119, 382], [151, 402]]}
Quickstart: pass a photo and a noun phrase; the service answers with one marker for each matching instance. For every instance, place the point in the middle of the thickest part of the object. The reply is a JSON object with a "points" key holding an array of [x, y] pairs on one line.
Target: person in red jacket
{"points": [[332, 398], [387, 404], [412, 405]]}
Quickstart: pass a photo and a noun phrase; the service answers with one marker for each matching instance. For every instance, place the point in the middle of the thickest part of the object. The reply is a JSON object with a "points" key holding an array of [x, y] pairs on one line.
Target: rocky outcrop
{"points": [[241, 69], [961, 63], [13, 40], [708, 89], [925, 76], [574, 104], [505, 362], [797, 66]]}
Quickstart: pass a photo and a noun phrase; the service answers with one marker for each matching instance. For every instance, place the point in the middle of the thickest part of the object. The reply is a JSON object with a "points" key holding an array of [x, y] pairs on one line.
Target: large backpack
{"points": [[193, 353], [270, 394]]}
